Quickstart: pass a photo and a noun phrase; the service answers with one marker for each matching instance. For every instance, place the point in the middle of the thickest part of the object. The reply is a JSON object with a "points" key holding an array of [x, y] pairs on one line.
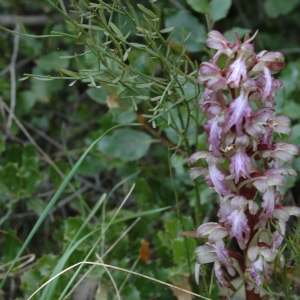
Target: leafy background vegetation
{"points": [[124, 72]]}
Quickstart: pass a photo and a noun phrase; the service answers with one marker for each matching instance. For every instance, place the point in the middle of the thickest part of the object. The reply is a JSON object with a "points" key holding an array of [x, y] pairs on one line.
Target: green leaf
{"points": [[10, 178], [127, 144], [51, 61], [295, 138], [52, 203], [164, 240], [142, 194], [43, 90], [98, 95], [172, 228], [291, 109], [72, 225], [25, 102], [126, 117], [219, 9], [229, 34], [116, 30], [201, 6], [147, 11], [275, 8], [167, 30], [183, 20], [10, 245], [92, 166], [14, 154], [37, 205], [290, 77], [30, 282], [144, 85], [179, 251], [45, 264], [131, 292]]}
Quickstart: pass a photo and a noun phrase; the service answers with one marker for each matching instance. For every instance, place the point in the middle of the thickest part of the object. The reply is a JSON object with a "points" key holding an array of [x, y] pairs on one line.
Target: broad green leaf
{"points": [[164, 240], [10, 245], [45, 264], [98, 95], [142, 194], [51, 61], [92, 166], [290, 76], [127, 144], [10, 178], [179, 251], [172, 228], [43, 90], [183, 20], [72, 226], [191, 245], [126, 117], [229, 34], [37, 205], [25, 102], [291, 109], [201, 6], [29, 152], [131, 292], [31, 177], [219, 9], [275, 8], [30, 282], [14, 155]]}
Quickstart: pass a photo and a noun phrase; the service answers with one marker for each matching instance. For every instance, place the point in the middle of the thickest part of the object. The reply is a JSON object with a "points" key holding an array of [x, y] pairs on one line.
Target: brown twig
{"points": [[142, 120]]}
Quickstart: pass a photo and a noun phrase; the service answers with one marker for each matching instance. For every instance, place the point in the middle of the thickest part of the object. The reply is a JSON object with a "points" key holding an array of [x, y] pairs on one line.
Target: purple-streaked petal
{"points": [[217, 235], [268, 84], [276, 179], [238, 202], [290, 148], [224, 210], [207, 228], [287, 171], [240, 165], [261, 185], [242, 141], [237, 224], [269, 202], [237, 73], [217, 41], [196, 172], [224, 257], [214, 135], [277, 239], [205, 255], [197, 155], [218, 180], [238, 109]]}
